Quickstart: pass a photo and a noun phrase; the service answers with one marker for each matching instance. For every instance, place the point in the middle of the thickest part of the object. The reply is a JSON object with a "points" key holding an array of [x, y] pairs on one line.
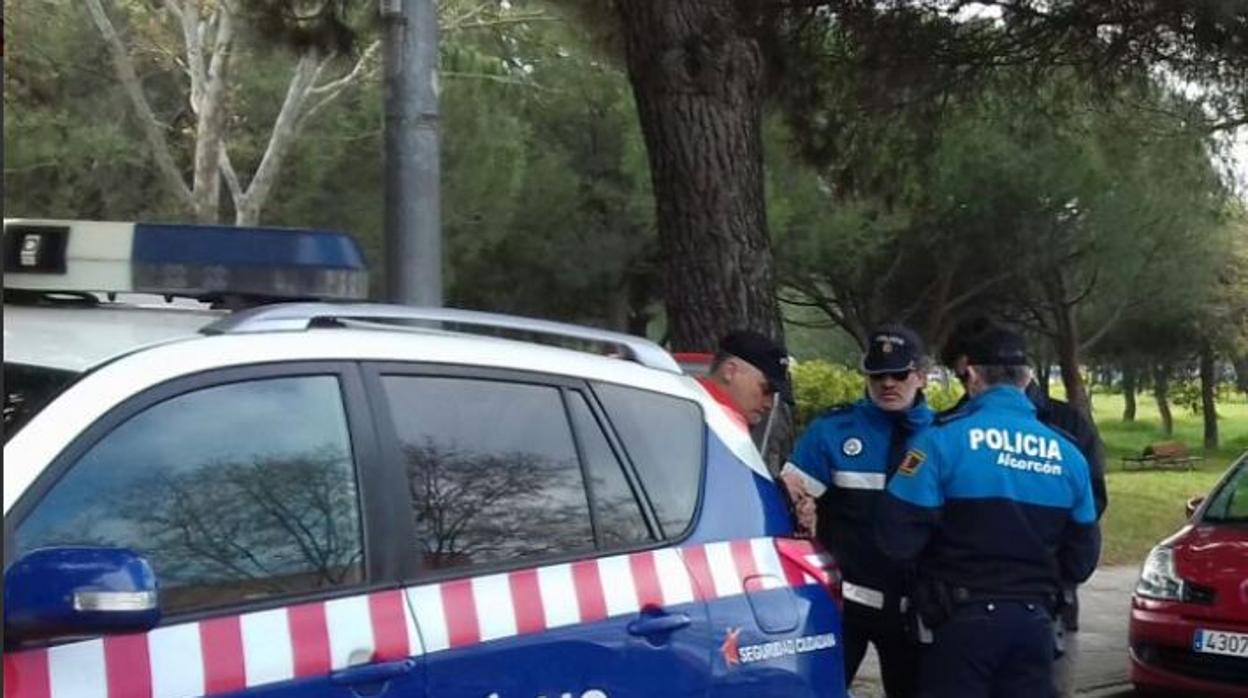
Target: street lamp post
{"points": [[413, 234]]}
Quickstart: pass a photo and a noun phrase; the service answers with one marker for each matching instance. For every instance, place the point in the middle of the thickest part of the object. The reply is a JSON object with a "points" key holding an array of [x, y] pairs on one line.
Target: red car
{"points": [[1189, 613]]}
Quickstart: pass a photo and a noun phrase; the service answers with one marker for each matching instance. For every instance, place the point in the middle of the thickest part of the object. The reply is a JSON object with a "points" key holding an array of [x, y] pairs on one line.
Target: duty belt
{"points": [[962, 595]]}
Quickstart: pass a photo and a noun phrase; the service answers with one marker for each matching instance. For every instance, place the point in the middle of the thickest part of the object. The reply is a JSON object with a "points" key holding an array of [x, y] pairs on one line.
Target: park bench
{"points": [[1162, 455]]}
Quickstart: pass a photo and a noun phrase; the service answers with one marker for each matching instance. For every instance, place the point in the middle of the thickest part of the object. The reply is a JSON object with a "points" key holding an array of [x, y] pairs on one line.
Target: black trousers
{"points": [[899, 654], [1001, 649]]}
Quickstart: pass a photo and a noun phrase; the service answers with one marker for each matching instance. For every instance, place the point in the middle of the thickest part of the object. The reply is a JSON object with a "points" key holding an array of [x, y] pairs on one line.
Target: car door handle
{"points": [[656, 624], [372, 673]]}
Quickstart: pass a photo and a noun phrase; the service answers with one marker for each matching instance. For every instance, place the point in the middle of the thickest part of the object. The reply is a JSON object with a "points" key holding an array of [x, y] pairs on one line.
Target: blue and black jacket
{"points": [[852, 450], [992, 501]]}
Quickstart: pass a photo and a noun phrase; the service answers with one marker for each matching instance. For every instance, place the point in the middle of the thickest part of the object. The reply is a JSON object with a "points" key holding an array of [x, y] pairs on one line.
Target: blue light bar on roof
{"points": [[198, 261]]}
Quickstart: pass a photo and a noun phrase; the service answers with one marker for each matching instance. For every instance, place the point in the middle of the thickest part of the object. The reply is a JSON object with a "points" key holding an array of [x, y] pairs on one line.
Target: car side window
{"points": [[618, 521], [492, 469], [1230, 503], [665, 439], [234, 493]]}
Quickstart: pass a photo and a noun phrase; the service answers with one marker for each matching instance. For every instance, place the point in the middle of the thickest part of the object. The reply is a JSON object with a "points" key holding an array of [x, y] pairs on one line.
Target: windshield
{"points": [[26, 390], [1230, 502]]}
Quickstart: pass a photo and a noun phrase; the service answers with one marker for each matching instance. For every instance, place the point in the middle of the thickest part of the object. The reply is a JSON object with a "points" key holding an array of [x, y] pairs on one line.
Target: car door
{"points": [[542, 569], [247, 490]]}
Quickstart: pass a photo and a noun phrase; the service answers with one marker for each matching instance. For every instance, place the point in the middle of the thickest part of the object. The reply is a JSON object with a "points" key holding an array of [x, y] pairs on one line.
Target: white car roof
{"points": [[76, 338]]}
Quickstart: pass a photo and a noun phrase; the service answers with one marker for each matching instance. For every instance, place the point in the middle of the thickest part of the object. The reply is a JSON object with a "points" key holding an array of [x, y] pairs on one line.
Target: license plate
{"points": [[1221, 642]]}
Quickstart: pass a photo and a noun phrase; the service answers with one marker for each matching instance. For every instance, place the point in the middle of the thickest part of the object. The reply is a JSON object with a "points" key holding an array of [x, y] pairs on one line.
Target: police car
{"points": [[343, 498]]}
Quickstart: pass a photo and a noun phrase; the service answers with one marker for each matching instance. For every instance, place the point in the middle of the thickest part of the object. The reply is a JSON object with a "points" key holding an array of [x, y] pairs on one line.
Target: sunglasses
{"points": [[898, 376]]}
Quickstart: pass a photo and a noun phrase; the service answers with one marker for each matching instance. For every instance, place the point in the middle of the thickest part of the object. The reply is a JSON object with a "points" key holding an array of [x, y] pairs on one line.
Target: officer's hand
{"points": [[804, 510], [793, 485]]}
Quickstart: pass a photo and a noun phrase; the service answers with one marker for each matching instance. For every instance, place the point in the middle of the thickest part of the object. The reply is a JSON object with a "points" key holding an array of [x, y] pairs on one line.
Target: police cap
{"points": [[892, 349], [996, 346], [966, 330], [763, 354]]}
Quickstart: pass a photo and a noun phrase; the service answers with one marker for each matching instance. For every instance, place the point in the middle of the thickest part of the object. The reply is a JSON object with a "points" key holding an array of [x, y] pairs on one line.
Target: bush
{"points": [[821, 385], [941, 396]]}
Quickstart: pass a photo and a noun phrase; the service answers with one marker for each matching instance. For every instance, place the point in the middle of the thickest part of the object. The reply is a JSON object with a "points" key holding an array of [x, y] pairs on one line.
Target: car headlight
{"points": [[1158, 578]]}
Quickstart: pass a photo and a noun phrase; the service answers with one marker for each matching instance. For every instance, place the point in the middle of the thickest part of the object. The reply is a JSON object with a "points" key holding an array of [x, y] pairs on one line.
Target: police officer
{"points": [[843, 460], [746, 374], [997, 510], [1082, 432]]}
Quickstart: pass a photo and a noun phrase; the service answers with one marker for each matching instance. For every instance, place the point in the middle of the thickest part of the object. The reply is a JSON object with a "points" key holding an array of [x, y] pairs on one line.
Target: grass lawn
{"points": [[1145, 507]]}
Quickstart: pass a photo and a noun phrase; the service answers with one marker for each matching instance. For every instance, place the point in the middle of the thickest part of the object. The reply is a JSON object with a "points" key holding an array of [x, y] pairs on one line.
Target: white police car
{"points": [[345, 499]]}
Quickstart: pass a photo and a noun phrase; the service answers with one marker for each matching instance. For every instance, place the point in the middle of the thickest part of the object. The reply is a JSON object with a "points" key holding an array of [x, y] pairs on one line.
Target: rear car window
{"points": [[27, 389], [664, 437], [492, 469]]}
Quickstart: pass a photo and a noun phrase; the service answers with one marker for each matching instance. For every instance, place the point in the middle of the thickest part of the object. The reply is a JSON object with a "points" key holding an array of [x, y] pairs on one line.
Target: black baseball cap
{"points": [[892, 349], [761, 353], [963, 333], [997, 346]]}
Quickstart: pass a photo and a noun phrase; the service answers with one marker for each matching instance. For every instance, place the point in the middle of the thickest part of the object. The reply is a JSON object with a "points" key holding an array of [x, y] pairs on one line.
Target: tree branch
{"points": [[230, 175], [189, 18], [285, 126], [156, 138], [352, 76]]}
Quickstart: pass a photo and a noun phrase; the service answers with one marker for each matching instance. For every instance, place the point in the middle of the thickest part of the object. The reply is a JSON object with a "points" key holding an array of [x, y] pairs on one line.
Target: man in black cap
{"points": [[996, 510], [748, 371], [1082, 431], [843, 461]]}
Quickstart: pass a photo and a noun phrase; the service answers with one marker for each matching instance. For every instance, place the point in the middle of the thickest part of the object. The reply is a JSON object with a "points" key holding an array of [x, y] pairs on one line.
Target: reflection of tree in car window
{"points": [[232, 492], [492, 469], [473, 508]]}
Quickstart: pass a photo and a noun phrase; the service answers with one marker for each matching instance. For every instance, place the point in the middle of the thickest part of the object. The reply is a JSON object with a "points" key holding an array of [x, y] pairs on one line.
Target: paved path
{"points": [[1104, 608]]}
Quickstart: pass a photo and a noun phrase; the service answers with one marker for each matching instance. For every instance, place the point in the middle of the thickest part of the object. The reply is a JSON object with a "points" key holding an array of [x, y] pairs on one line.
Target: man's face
{"points": [[894, 392], [749, 388]]}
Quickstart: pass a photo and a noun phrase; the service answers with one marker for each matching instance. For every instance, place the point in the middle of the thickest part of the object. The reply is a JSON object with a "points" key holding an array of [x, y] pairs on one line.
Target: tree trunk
{"points": [[1128, 392], [210, 128], [1241, 373], [697, 76], [1161, 390], [1044, 374], [1208, 394], [1067, 346]]}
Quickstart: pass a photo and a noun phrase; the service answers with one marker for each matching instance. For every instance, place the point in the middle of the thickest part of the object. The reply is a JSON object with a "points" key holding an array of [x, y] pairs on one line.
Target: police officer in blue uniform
{"points": [[997, 510], [843, 460], [1081, 431]]}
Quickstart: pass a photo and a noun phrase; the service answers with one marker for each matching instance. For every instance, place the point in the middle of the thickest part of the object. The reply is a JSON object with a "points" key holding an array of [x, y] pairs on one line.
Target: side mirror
{"points": [[71, 591], [1193, 504]]}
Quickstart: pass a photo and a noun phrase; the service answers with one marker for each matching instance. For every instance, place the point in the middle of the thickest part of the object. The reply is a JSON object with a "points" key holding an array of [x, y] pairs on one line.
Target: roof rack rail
{"points": [[302, 316]]}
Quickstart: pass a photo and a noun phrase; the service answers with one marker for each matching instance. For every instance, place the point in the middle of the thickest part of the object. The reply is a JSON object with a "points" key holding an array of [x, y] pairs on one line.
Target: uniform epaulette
{"points": [[843, 408]]}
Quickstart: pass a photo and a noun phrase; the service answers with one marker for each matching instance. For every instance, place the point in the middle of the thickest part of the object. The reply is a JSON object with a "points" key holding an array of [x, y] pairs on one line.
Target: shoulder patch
{"points": [[910, 464]]}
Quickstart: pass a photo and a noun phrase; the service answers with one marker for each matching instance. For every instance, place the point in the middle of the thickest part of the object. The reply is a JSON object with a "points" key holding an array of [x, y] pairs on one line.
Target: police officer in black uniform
{"points": [[843, 461], [1061, 416], [997, 511]]}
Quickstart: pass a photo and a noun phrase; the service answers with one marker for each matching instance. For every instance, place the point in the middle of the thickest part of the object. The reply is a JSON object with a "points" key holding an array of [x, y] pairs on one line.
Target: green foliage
{"points": [[943, 395], [821, 385]]}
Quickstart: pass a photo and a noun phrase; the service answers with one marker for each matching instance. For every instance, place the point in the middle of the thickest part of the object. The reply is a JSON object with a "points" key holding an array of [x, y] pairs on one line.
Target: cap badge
{"points": [[852, 446], [887, 347]]}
